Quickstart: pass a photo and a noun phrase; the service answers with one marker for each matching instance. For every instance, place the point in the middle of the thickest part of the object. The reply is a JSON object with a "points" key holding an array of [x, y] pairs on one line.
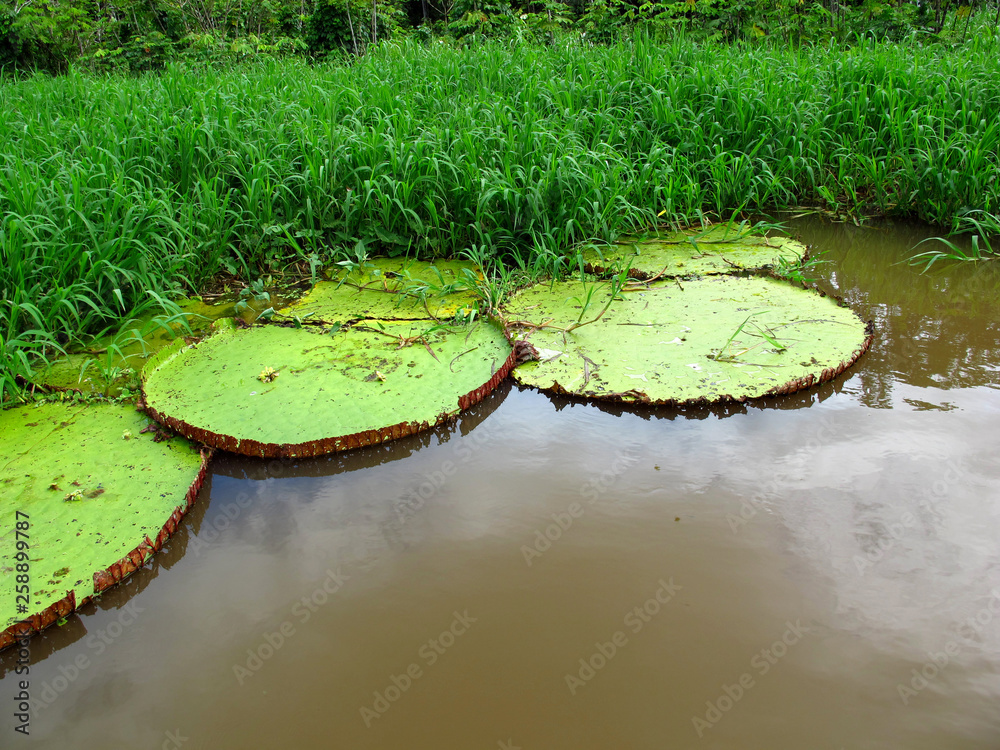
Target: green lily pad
{"points": [[717, 250], [709, 340], [281, 391], [102, 369], [390, 288], [96, 497]]}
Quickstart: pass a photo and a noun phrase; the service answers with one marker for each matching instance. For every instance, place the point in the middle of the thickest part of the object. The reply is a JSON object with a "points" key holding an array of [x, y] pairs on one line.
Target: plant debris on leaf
{"points": [[720, 249], [94, 506], [709, 340], [351, 386]]}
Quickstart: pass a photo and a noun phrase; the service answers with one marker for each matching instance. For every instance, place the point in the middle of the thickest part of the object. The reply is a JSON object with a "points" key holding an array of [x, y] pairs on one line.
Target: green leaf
{"points": [[715, 339], [718, 250], [390, 288], [363, 384], [123, 490]]}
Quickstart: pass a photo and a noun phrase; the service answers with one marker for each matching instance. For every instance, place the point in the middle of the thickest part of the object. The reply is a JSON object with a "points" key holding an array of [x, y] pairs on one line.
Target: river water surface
{"points": [[820, 572]]}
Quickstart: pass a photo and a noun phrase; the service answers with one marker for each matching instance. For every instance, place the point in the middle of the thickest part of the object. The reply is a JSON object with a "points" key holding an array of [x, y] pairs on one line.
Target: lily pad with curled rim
{"points": [[710, 340], [720, 249], [281, 391], [95, 497], [390, 288]]}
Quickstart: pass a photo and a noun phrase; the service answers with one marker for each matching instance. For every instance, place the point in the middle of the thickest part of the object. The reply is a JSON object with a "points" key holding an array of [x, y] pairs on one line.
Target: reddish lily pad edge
{"points": [[113, 574]]}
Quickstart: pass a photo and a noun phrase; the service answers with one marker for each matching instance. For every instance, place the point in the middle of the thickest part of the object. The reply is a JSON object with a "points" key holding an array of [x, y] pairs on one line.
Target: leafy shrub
{"points": [[346, 25]]}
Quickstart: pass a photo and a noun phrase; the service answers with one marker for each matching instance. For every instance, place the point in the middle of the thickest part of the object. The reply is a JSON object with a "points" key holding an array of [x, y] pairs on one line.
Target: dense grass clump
{"points": [[117, 193]]}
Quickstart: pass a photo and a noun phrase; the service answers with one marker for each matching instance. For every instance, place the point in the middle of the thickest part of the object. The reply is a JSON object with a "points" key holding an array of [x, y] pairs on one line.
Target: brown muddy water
{"points": [[816, 573]]}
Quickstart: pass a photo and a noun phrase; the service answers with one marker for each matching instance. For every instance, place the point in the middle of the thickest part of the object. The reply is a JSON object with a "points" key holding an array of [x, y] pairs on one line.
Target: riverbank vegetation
{"points": [[119, 193]]}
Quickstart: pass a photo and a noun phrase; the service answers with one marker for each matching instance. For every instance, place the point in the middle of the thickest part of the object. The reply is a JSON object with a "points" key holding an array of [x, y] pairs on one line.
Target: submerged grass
{"points": [[117, 194]]}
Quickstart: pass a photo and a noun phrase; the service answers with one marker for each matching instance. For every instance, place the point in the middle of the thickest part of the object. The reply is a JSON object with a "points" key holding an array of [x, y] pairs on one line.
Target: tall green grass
{"points": [[117, 193]]}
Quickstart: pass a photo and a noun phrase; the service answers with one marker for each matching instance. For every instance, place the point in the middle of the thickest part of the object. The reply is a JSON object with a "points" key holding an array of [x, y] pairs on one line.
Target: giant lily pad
{"points": [[720, 249], [387, 288], [279, 391], [710, 340], [97, 497]]}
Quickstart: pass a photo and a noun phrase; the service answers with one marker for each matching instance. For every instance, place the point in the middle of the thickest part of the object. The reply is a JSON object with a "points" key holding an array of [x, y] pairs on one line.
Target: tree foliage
{"points": [[143, 35]]}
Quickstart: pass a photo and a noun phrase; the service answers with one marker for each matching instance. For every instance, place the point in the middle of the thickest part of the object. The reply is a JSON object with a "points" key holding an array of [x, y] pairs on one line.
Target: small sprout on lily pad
{"points": [[267, 375], [73, 496], [54, 486], [127, 435]]}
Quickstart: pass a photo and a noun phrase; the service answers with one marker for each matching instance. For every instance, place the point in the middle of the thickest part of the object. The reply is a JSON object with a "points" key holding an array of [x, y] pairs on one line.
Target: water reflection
{"points": [[934, 330], [797, 400]]}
